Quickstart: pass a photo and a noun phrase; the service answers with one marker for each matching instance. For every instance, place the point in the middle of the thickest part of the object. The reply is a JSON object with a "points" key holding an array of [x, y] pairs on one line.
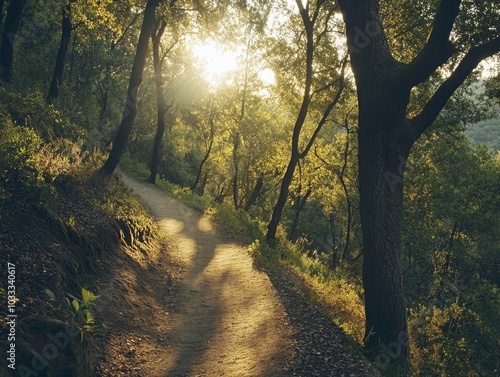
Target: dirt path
{"points": [[196, 307], [227, 319]]}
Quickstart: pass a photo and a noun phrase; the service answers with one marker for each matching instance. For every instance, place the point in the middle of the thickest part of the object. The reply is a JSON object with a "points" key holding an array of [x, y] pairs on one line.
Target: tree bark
{"points": [[272, 227], [11, 25], [381, 200], [58, 75], [385, 137], [255, 192], [130, 111], [160, 101], [346, 193]]}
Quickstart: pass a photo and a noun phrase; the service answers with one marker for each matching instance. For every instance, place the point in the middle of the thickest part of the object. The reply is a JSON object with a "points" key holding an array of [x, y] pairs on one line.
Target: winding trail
{"points": [[228, 320], [193, 305]]}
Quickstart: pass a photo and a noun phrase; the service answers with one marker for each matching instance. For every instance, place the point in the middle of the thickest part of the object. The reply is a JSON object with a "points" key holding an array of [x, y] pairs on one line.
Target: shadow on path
{"points": [[226, 319]]}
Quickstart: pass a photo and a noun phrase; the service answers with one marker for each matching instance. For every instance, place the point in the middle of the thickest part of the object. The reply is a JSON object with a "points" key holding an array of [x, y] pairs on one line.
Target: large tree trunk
{"points": [[130, 111], [385, 138], [12, 19], [58, 75], [160, 100], [381, 193]]}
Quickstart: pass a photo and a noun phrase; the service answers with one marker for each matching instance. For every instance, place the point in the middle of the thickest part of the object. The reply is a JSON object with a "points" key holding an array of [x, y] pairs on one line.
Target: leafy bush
{"points": [[20, 148], [33, 151], [32, 111], [451, 341], [236, 221]]}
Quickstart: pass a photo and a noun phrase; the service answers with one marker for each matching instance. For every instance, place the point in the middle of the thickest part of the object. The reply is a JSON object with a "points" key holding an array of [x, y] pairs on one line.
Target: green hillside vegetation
{"points": [[58, 220]]}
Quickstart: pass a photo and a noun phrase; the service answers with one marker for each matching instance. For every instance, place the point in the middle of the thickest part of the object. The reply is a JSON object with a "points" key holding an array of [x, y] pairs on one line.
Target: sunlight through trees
{"points": [[360, 138]]}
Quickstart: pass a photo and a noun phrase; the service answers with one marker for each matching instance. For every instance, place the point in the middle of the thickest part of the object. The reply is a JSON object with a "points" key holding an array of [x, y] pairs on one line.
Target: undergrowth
{"points": [[58, 217]]}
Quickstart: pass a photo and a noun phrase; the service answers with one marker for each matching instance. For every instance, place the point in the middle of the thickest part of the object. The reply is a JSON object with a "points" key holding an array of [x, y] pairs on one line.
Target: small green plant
{"points": [[80, 310]]}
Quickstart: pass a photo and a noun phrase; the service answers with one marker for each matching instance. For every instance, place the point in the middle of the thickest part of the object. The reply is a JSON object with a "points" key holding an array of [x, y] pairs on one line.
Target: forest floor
{"points": [[200, 308]]}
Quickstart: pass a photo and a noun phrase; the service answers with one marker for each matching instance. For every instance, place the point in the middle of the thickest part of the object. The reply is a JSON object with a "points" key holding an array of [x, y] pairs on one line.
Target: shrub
{"points": [[444, 342]]}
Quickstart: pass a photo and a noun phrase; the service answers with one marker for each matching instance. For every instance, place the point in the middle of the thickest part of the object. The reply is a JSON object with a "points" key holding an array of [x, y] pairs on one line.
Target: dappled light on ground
{"points": [[226, 320]]}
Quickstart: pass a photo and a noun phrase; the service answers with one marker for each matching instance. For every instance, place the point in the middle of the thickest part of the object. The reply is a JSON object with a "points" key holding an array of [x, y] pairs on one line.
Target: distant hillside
{"points": [[485, 132]]}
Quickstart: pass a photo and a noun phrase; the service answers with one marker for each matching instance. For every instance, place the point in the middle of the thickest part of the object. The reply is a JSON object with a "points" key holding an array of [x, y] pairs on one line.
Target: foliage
{"points": [[78, 310], [485, 132], [33, 149], [451, 341]]}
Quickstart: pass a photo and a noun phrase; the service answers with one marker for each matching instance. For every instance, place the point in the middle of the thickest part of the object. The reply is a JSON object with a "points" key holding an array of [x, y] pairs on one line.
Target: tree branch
{"points": [[127, 28], [327, 20], [438, 48], [432, 109], [330, 107]]}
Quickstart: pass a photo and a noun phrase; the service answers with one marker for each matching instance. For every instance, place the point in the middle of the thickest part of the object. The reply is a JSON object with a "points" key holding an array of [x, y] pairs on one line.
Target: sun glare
{"points": [[216, 61], [267, 76]]}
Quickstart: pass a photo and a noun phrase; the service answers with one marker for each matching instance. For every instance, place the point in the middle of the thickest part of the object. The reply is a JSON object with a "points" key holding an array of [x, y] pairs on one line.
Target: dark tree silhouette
{"points": [[58, 75], [385, 137], [160, 99], [130, 111], [11, 25]]}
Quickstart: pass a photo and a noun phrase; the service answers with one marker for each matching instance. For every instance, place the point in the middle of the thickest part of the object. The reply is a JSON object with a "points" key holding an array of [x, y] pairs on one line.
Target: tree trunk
{"points": [[203, 184], [58, 75], [202, 164], [255, 192], [381, 195], [300, 203], [208, 148], [1, 15], [130, 111], [11, 25], [104, 84], [348, 230], [272, 227], [385, 137], [236, 145], [160, 100], [296, 154], [334, 262]]}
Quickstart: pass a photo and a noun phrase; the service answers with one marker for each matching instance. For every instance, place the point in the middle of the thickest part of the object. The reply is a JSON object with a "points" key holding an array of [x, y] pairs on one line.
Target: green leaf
{"points": [[49, 294], [76, 305], [88, 297]]}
